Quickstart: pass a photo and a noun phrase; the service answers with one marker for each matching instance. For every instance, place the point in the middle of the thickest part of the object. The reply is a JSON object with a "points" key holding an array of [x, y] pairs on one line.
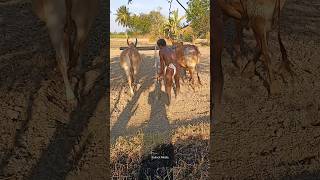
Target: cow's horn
{"points": [[128, 41], [136, 42]]}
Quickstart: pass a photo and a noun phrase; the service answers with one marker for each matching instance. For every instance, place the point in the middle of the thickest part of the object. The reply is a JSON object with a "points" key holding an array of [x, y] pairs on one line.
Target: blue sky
{"points": [[142, 6]]}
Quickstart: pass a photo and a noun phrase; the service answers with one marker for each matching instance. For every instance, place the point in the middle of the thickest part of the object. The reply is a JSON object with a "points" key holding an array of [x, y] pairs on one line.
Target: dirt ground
{"points": [[146, 111], [278, 137], [39, 137]]}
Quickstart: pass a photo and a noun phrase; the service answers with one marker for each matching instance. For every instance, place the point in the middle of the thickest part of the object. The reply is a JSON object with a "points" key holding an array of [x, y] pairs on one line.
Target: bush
{"points": [[118, 35]]}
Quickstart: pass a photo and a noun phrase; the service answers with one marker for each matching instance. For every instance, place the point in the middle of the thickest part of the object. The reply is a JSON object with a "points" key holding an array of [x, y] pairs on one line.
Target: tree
{"points": [[173, 26], [199, 16], [123, 16], [157, 20]]}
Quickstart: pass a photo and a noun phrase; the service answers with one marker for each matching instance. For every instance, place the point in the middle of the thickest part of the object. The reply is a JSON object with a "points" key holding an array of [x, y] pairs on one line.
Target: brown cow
{"points": [[169, 79], [63, 18], [188, 58], [130, 61], [261, 16]]}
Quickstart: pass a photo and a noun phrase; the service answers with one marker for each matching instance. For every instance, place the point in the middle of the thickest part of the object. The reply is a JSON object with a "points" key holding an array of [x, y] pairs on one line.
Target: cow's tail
{"points": [[284, 54]]}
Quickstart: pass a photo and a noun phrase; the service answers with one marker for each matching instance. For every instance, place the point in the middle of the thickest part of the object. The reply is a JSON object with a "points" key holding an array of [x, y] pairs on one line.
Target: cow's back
{"points": [[127, 54], [191, 55]]}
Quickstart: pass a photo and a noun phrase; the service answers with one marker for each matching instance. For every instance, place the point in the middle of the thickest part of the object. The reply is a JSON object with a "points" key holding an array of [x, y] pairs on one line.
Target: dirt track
{"points": [[278, 137], [39, 137]]}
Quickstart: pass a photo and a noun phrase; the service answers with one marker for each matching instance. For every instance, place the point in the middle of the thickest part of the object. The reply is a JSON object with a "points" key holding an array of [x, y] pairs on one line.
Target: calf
{"points": [[188, 58], [130, 61], [65, 18], [170, 78]]}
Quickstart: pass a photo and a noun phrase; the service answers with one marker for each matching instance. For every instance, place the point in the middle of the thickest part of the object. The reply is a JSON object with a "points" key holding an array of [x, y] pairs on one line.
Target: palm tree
{"points": [[123, 16]]}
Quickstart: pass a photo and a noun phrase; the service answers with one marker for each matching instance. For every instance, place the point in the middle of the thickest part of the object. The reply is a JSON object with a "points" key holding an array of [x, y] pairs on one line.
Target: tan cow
{"points": [[130, 61], [188, 57], [65, 18]]}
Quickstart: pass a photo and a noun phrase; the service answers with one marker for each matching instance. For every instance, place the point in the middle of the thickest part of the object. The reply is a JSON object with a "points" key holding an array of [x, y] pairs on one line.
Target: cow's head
{"points": [[131, 44]]}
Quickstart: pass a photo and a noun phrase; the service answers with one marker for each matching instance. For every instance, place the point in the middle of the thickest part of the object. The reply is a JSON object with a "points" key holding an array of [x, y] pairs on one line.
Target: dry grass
{"points": [[191, 145]]}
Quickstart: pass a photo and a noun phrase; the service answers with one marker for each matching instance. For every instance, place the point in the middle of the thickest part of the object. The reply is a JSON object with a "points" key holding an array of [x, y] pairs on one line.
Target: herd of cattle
{"points": [[188, 57], [69, 21]]}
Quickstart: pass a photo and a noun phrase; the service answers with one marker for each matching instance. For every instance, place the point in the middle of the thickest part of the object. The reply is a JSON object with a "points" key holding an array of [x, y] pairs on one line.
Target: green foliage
{"points": [[199, 17], [158, 22], [141, 24], [172, 28], [123, 16], [118, 35]]}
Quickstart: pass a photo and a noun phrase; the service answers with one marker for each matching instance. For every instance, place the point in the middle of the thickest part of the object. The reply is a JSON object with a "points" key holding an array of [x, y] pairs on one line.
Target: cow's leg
{"points": [[168, 85], [135, 73], [177, 80], [191, 71], [81, 41], [261, 32], [81, 31], [237, 45], [184, 74], [83, 15], [199, 81], [55, 23], [250, 68], [130, 80]]}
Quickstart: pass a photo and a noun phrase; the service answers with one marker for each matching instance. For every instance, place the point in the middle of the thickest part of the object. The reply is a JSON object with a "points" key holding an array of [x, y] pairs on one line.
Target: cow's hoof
{"points": [[138, 86], [274, 88], [73, 104], [237, 62], [131, 92], [249, 70]]}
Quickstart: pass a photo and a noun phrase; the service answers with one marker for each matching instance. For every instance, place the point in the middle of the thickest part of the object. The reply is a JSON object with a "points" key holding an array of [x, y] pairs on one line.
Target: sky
{"points": [[142, 6]]}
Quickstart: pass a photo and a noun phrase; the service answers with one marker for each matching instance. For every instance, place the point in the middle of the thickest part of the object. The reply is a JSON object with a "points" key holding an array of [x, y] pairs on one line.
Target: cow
{"points": [[188, 57], [68, 23], [259, 15], [130, 61], [170, 78]]}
